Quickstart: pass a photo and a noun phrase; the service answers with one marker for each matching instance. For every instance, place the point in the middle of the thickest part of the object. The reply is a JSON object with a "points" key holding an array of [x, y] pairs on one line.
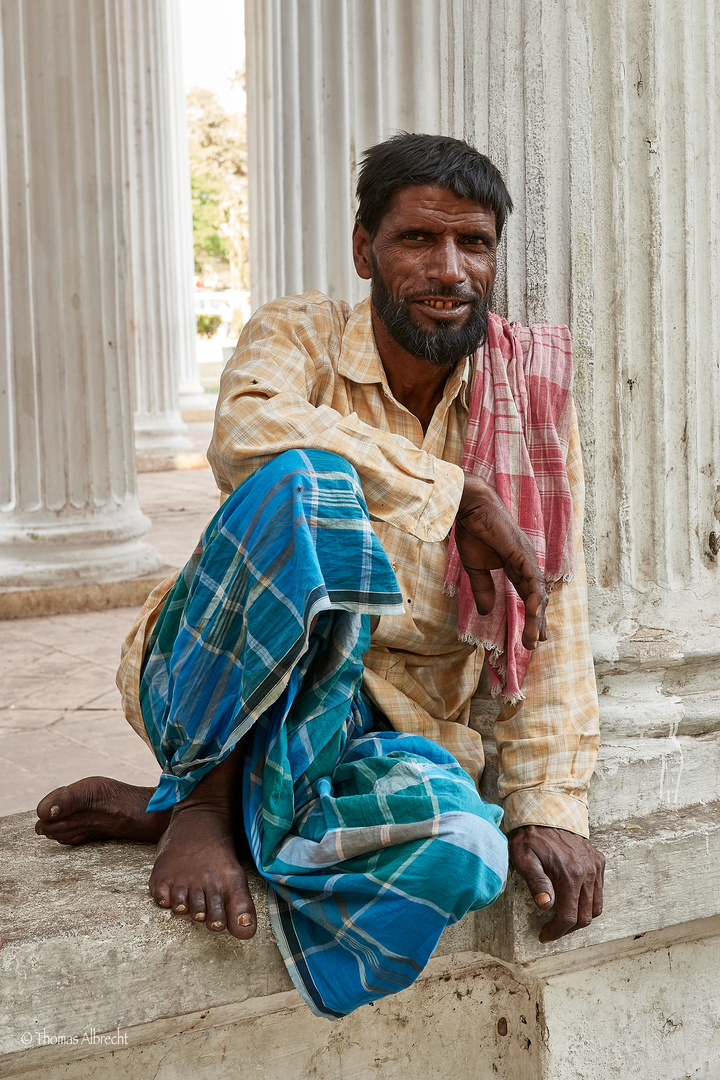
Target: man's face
{"points": [[432, 266]]}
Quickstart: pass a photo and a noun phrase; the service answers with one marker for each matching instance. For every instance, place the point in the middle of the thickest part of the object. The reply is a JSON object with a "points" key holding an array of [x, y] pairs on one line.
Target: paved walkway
{"points": [[60, 715]]}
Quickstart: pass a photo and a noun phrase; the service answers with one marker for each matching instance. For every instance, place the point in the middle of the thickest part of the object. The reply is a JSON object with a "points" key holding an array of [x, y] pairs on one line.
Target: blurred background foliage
{"points": [[218, 169]]}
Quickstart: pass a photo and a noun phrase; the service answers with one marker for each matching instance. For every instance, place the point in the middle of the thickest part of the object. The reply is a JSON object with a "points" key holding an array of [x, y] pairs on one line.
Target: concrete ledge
{"points": [[79, 910], [661, 871], [85, 949], [27, 603]]}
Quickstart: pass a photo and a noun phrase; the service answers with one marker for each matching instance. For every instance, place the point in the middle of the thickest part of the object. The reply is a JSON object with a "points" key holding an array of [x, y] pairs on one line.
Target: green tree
{"points": [[208, 221], [218, 168]]}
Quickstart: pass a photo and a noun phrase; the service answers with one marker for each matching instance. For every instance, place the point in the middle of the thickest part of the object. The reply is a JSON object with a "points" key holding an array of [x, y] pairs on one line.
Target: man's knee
{"points": [[296, 468]]}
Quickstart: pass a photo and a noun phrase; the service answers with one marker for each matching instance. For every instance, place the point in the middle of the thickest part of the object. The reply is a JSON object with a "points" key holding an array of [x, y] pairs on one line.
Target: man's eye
{"points": [[415, 236]]}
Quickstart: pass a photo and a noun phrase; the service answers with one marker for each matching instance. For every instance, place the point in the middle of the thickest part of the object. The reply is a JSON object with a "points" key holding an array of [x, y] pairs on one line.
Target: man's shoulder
{"points": [[313, 308]]}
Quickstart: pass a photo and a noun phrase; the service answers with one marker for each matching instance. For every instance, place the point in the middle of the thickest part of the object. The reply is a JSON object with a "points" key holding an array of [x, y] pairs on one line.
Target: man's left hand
{"points": [[562, 870]]}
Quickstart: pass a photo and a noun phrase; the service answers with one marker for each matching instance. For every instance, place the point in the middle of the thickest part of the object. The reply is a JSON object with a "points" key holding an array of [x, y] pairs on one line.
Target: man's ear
{"points": [[361, 251]]}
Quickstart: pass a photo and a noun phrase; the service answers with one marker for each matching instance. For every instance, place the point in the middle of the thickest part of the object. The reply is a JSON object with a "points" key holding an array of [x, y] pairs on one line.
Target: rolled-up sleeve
{"points": [[548, 744]]}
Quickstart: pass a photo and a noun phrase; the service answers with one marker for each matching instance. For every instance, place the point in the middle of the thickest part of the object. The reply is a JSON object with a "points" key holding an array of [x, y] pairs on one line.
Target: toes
{"points": [[64, 801], [160, 892], [198, 909], [48, 809], [215, 913], [179, 900], [65, 832], [240, 910]]}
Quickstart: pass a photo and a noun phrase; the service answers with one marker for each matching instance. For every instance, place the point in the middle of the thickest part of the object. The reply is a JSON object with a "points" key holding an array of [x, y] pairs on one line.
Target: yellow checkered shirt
{"points": [[307, 373]]}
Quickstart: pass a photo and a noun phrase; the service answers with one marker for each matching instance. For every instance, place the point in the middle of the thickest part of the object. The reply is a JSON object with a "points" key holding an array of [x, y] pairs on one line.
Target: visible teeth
{"points": [[445, 305]]}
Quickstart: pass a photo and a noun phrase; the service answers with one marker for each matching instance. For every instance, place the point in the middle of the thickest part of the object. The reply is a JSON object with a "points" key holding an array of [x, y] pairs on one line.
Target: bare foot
{"points": [[98, 808], [197, 872]]}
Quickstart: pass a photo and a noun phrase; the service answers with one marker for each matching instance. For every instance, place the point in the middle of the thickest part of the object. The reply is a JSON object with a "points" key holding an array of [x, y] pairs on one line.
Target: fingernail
{"points": [[245, 919], [54, 811], [542, 899], [200, 916]]}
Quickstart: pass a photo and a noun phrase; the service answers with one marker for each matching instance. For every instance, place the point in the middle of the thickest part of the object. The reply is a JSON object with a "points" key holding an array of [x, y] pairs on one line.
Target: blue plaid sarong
{"points": [[372, 842]]}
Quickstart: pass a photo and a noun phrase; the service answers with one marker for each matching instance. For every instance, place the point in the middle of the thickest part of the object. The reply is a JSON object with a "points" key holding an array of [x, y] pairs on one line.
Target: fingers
{"points": [[531, 869], [529, 583], [487, 538], [567, 869], [483, 589], [573, 912]]}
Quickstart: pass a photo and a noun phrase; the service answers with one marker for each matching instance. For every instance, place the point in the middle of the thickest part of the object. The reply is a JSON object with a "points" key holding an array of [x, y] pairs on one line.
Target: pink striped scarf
{"points": [[517, 440]]}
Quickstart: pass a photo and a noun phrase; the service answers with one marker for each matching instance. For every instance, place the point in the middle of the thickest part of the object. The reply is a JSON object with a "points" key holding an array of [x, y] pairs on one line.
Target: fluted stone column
{"points": [[160, 289], [604, 123], [68, 505], [193, 399], [326, 80], [604, 119]]}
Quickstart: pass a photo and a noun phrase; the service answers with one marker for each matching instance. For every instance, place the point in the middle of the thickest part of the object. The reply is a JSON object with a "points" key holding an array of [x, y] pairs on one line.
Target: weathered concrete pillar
{"points": [[160, 295], [604, 120], [326, 81], [68, 505]]}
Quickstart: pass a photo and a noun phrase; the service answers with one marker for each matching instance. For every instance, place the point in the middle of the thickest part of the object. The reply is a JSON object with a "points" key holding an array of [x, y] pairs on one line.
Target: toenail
{"points": [[163, 902], [245, 919], [200, 916], [216, 925], [54, 811], [181, 907]]}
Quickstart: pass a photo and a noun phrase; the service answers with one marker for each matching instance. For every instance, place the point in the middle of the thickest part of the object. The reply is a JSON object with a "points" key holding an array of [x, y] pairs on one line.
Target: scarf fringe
{"points": [[492, 655], [561, 579], [509, 699], [493, 651]]}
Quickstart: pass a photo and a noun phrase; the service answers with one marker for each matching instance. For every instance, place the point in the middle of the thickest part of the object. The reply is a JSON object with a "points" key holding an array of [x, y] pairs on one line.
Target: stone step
{"points": [[635, 776]]}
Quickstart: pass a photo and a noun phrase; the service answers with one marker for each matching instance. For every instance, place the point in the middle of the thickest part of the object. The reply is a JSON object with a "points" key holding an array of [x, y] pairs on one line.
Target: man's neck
{"points": [[416, 384]]}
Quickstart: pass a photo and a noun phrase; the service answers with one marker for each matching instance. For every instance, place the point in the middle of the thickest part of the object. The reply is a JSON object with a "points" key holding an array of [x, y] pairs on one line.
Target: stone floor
{"points": [[60, 715]]}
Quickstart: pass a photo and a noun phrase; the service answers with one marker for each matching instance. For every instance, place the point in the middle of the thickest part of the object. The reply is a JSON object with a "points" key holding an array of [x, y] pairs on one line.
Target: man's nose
{"points": [[447, 265]]}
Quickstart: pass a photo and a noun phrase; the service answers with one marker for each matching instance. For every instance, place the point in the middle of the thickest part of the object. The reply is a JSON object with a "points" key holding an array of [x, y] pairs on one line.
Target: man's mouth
{"points": [[443, 305]]}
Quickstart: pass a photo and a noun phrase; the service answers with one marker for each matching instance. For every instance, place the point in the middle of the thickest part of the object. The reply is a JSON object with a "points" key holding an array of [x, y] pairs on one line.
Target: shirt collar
{"points": [[360, 360]]}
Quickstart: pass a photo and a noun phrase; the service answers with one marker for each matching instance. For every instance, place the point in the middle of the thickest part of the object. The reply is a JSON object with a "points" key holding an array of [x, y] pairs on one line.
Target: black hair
{"points": [[407, 160]]}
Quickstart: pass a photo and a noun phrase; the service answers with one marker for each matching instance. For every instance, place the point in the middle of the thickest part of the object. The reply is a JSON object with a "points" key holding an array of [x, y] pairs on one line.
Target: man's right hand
{"points": [[488, 538]]}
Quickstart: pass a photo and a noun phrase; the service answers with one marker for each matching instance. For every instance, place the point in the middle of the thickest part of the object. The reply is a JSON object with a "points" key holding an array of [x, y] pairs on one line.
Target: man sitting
{"points": [[311, 672]]}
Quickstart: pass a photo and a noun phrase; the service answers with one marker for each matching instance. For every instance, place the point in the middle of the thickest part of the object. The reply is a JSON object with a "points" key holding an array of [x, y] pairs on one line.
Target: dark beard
{"points": [[445, 345]]}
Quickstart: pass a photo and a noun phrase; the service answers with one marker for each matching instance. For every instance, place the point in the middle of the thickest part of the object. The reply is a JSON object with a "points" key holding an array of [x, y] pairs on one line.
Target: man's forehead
{"points": [[432, 201]]}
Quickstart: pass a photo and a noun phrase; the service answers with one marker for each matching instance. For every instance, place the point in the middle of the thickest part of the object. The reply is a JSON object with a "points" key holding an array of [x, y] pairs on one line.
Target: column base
{"points": [[195, 404], [30, 603], [68, 552], [160, 440]]}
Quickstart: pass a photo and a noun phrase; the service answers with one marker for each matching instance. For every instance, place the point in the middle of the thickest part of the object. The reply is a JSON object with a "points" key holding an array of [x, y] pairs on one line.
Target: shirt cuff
{"points": [[540, 806]]}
